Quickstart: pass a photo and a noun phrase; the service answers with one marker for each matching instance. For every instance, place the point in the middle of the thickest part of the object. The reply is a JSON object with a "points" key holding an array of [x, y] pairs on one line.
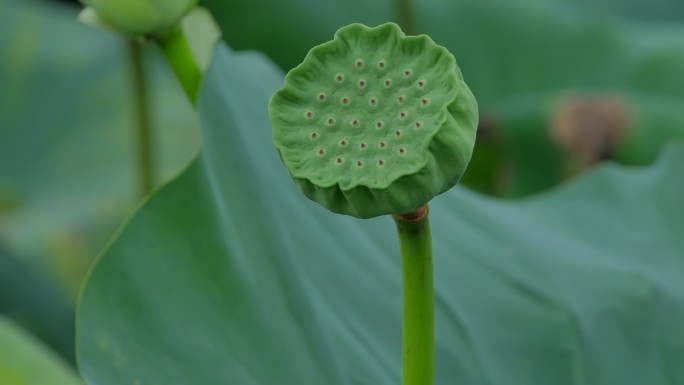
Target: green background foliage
{"points": [[67, 142], [522, 59], [230, 273], [67, 173], [30, 298]]}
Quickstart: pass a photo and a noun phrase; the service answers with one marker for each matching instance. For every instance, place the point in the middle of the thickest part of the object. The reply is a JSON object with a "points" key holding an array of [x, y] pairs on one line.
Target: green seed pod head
{"points": [[140, 17], [374, 122]]}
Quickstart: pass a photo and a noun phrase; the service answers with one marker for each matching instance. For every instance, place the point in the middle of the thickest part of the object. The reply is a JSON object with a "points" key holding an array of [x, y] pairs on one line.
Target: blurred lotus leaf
{"points": [[25, 361]]}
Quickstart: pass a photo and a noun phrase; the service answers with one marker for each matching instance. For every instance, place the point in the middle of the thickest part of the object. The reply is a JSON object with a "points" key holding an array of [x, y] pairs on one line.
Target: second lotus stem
{"points": [[142, 125]]}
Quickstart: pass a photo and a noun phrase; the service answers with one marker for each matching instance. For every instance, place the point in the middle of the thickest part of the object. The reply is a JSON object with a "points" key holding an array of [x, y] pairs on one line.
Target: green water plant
{"points": [[375, 122]]}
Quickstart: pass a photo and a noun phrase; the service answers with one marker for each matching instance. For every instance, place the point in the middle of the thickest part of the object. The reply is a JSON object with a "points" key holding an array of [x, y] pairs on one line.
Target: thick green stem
{"points": [[177, 52], [143, 131], [418, 357], [405, 16]]}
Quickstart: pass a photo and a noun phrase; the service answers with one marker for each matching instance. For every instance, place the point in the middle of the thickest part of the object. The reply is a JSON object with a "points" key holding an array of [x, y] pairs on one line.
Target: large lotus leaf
{"points": [[228, 275], [67, 162], [25, 361]]}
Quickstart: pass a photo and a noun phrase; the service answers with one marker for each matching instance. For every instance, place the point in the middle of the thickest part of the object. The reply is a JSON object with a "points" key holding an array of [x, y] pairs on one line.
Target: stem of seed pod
{"points": [[177, 52], [404, 12], [142, 126], [418, 357]]}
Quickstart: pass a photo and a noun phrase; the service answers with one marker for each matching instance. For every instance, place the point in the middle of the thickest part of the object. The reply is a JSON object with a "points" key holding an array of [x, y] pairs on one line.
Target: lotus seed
{"points": [[359, 63], [339, 77], [419, 124], [330, 121], [397, 133], [421, 83], [425, 101], [382, 144], [309, 114], [407, 72], [359, 164], [343, 142], [373, 101], [402, 114], [355, 122], [339, 160], [402, 151], [400, 99], [362, 83], [381, 162], [344, 100], [379, 124], [362, 146], [388, 82], [321, 96], [382, 64], [321, 152], [314, 135]]}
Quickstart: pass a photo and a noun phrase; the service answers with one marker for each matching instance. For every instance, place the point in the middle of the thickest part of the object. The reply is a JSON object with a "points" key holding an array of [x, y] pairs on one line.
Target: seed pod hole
{"points": [[339, 160], [330, 121], [381, 163], [363, 146], [359, 164], [343, 142], [373, 101], [425, 101], [355, 123], [400, 99], [397, 133], [308, 114], [344, 100], [388, 82], [362, 83], [339, 78], [419, 124], [382, 145], [320, 152], [402, 151], [379, 124], [421, 83], [359, 63], [321, 96], [403, 114], [382, 64], [313, 135], [407, 72]]}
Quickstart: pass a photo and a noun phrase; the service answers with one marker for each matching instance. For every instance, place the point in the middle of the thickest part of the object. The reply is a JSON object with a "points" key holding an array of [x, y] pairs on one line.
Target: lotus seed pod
{"points": [[374, 122], [140, 17]]}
